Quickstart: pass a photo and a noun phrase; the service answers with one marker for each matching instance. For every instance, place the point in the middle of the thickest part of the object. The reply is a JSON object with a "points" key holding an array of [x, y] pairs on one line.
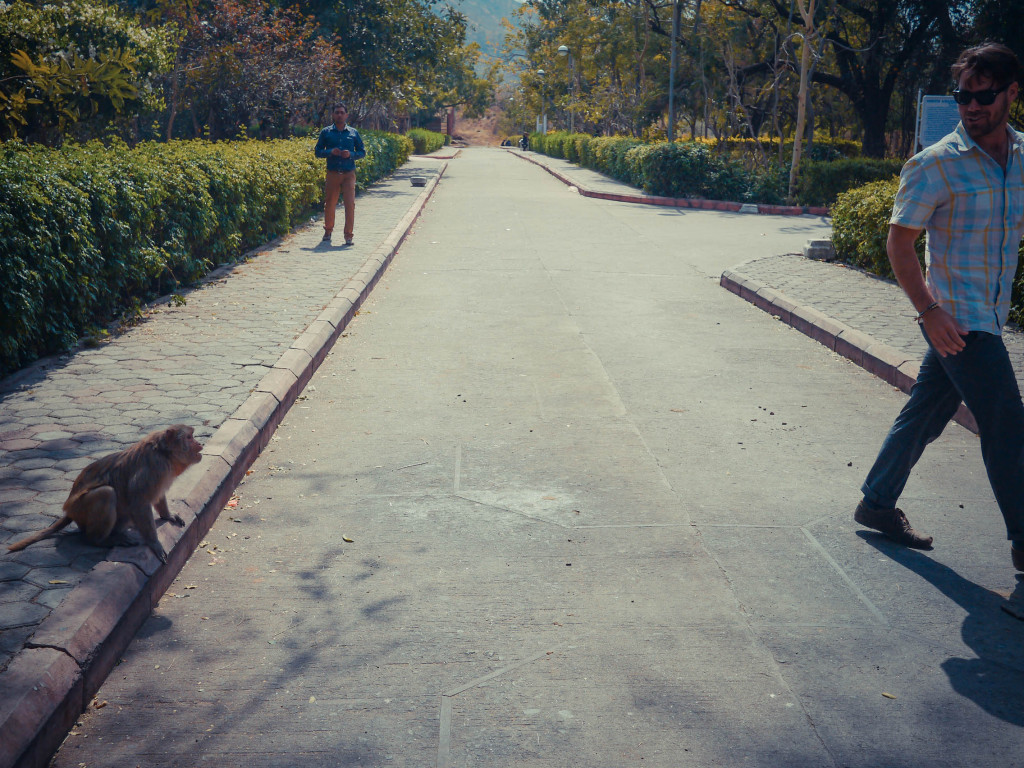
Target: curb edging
{"points": [[882, 360], [79, 643], [726, 206]]}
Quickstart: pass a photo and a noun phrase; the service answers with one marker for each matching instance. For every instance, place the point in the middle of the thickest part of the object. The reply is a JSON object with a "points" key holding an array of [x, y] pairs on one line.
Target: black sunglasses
{"points": [[984, 98]]}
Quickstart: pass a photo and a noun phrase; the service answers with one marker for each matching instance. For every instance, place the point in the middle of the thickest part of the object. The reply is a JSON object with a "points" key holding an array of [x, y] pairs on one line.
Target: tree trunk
{"points": [[801, 104]]}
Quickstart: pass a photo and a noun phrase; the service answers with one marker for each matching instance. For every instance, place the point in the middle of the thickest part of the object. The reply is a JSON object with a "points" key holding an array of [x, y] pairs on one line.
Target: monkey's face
{"points": [[184, 448], [195, 450]]}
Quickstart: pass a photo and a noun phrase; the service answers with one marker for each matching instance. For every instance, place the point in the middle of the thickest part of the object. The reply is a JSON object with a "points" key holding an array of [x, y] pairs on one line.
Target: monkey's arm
{"points": [[141, 515], [165, 512]]}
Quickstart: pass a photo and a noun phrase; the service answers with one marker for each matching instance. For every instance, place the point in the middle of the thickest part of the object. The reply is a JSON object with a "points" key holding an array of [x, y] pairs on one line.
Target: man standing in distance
{"points": [[967, 192], [341, 145]]}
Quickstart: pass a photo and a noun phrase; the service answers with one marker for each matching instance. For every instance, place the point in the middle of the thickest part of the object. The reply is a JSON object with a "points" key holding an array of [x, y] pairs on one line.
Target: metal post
{"points": [[572, 96]]}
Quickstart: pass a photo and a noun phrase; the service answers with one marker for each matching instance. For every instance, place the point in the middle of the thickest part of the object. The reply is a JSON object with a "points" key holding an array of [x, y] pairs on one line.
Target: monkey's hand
{"points": [[176, 519]]}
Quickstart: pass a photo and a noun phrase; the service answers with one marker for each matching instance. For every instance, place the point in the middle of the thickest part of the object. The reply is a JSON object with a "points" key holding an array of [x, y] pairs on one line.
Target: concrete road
{"points": [[558, 499]]}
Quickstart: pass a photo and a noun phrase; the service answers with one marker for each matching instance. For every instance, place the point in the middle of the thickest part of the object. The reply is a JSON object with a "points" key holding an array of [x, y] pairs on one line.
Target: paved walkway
{"points": [[229, 362], [235, 358]]}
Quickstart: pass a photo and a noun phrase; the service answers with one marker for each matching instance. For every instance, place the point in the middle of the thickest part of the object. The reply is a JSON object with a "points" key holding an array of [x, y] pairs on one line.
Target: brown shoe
{"points": [[1018, 558], [894, 524]]}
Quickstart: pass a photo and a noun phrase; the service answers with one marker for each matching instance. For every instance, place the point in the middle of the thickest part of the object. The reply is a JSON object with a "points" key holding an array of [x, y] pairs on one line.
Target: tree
{"points": [[399, 55], [871, 43], [617, 62], [246, 62], [75, 67]]}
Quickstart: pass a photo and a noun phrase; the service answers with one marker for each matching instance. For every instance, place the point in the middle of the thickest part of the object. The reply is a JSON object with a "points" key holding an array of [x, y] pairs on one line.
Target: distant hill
{"points": [[484, 18]]}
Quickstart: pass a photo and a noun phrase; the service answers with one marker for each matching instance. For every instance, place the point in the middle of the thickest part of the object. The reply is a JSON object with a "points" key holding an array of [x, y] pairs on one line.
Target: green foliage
{"points": [[860, 226], [75, 65], [426, 141], [406, 55], [689, 170], [681, 169], [90, 231], [822, 182], [824, 148]]}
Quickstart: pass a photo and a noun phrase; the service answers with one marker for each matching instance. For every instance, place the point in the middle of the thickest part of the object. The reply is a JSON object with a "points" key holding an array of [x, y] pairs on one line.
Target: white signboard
{"points": [[938, 116]]}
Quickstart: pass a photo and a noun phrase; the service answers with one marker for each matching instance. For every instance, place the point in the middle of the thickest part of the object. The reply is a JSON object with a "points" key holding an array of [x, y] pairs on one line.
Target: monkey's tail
{"points": [[43, 534]]}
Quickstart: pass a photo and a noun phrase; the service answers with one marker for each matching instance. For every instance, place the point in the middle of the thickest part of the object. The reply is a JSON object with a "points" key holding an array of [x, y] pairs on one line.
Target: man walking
{"points": [[967, 193], [341, 145]]}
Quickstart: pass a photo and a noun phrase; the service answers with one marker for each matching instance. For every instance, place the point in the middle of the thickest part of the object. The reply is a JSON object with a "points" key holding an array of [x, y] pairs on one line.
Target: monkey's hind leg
{"points": [[95, 513]]}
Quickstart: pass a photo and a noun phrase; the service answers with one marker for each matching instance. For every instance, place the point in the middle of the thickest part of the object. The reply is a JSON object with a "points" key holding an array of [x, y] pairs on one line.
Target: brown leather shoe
{"points": [[1018, 558], [894, 524]]}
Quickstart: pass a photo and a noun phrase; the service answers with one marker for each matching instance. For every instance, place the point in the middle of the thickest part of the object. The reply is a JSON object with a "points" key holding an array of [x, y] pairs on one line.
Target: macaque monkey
{"points": [[120, 490]]}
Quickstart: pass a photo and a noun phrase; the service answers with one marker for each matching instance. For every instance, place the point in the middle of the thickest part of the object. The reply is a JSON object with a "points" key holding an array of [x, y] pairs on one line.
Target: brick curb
{"points": [[50, 682], [884, 361], [681, 202]]}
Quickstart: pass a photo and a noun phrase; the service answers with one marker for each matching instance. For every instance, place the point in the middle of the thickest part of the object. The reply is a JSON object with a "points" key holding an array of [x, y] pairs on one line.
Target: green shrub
{"points": [[860, 226], [823, 148], [89, 231], [683, 169], [821, 182], [424, 141], [1017, 294], [690, 169]]}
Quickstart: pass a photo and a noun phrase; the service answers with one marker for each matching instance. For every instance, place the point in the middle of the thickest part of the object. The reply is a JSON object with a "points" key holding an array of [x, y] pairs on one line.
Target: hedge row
{"points": [[698, 169], [823, 148], [860, 227], [424, 141], [89, 231]]}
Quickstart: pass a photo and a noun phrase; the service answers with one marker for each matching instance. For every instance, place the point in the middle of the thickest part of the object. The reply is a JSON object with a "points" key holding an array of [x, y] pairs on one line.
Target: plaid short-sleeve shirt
{"points": [[973, 213]]}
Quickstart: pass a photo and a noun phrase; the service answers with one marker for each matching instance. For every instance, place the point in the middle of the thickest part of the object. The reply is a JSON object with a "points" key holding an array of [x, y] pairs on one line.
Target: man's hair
{"points": [[339, 104], [992, 60]]}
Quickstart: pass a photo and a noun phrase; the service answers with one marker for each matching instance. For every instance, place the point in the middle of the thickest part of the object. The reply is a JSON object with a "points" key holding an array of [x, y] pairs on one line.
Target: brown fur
{"points": [[120, 490]]}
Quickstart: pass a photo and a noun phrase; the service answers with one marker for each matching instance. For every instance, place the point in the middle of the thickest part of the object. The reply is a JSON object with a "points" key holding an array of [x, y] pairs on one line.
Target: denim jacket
{"points": [[347, 138]]}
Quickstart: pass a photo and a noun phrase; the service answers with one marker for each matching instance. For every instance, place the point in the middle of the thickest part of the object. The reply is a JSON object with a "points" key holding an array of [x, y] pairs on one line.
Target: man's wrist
{"points": [[925, 311]]}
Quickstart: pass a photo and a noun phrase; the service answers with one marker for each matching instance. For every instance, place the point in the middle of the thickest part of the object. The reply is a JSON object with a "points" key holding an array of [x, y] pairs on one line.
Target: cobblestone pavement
{"points": [[194, 364]]}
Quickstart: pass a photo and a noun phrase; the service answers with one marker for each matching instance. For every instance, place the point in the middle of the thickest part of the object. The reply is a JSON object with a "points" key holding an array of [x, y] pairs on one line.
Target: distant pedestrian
{"points": [[967, 193], [524, 143], [341, 145]]}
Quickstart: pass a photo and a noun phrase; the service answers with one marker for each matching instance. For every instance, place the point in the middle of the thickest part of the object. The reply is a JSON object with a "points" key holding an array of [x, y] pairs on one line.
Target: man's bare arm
{"points": [[943, 331]]}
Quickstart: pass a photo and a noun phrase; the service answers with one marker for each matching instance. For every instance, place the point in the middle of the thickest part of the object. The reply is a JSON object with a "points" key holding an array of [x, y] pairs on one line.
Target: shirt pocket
{"points": [[975, 210]]}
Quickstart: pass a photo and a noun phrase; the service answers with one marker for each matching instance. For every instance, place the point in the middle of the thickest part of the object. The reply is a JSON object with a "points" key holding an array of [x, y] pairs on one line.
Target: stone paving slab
{"points": [[861, 316], [229, 362]]}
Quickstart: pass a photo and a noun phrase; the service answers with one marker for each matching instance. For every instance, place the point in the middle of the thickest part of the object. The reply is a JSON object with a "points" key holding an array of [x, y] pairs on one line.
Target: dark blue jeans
{"points": [[981, 375]]}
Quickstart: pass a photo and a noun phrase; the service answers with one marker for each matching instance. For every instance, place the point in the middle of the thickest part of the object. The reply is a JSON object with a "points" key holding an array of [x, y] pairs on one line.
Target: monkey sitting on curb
{"points": [[120, 490]]}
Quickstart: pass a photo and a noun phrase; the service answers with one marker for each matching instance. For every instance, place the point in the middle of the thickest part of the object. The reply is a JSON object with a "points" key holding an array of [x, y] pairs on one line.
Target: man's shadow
{"points": [[993, 629], [327, 245]]}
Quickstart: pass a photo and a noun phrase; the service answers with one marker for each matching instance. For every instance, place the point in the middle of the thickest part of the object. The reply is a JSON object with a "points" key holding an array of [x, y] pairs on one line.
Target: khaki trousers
{"points": [[343, 184]]}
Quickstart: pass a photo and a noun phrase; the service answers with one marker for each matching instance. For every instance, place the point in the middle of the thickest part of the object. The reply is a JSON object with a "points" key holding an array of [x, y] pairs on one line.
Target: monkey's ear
{"points": [[168, 439]]}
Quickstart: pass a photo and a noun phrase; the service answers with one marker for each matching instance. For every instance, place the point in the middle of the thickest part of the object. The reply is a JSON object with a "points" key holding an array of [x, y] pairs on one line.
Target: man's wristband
{"points": [[925, 311]]}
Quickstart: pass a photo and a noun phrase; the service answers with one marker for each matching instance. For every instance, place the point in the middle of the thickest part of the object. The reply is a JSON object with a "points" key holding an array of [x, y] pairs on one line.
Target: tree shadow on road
{"points": [[995, 679]]}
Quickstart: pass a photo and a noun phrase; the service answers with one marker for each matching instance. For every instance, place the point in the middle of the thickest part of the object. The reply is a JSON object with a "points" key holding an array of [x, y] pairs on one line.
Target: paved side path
{"points": [[228, 362]]}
